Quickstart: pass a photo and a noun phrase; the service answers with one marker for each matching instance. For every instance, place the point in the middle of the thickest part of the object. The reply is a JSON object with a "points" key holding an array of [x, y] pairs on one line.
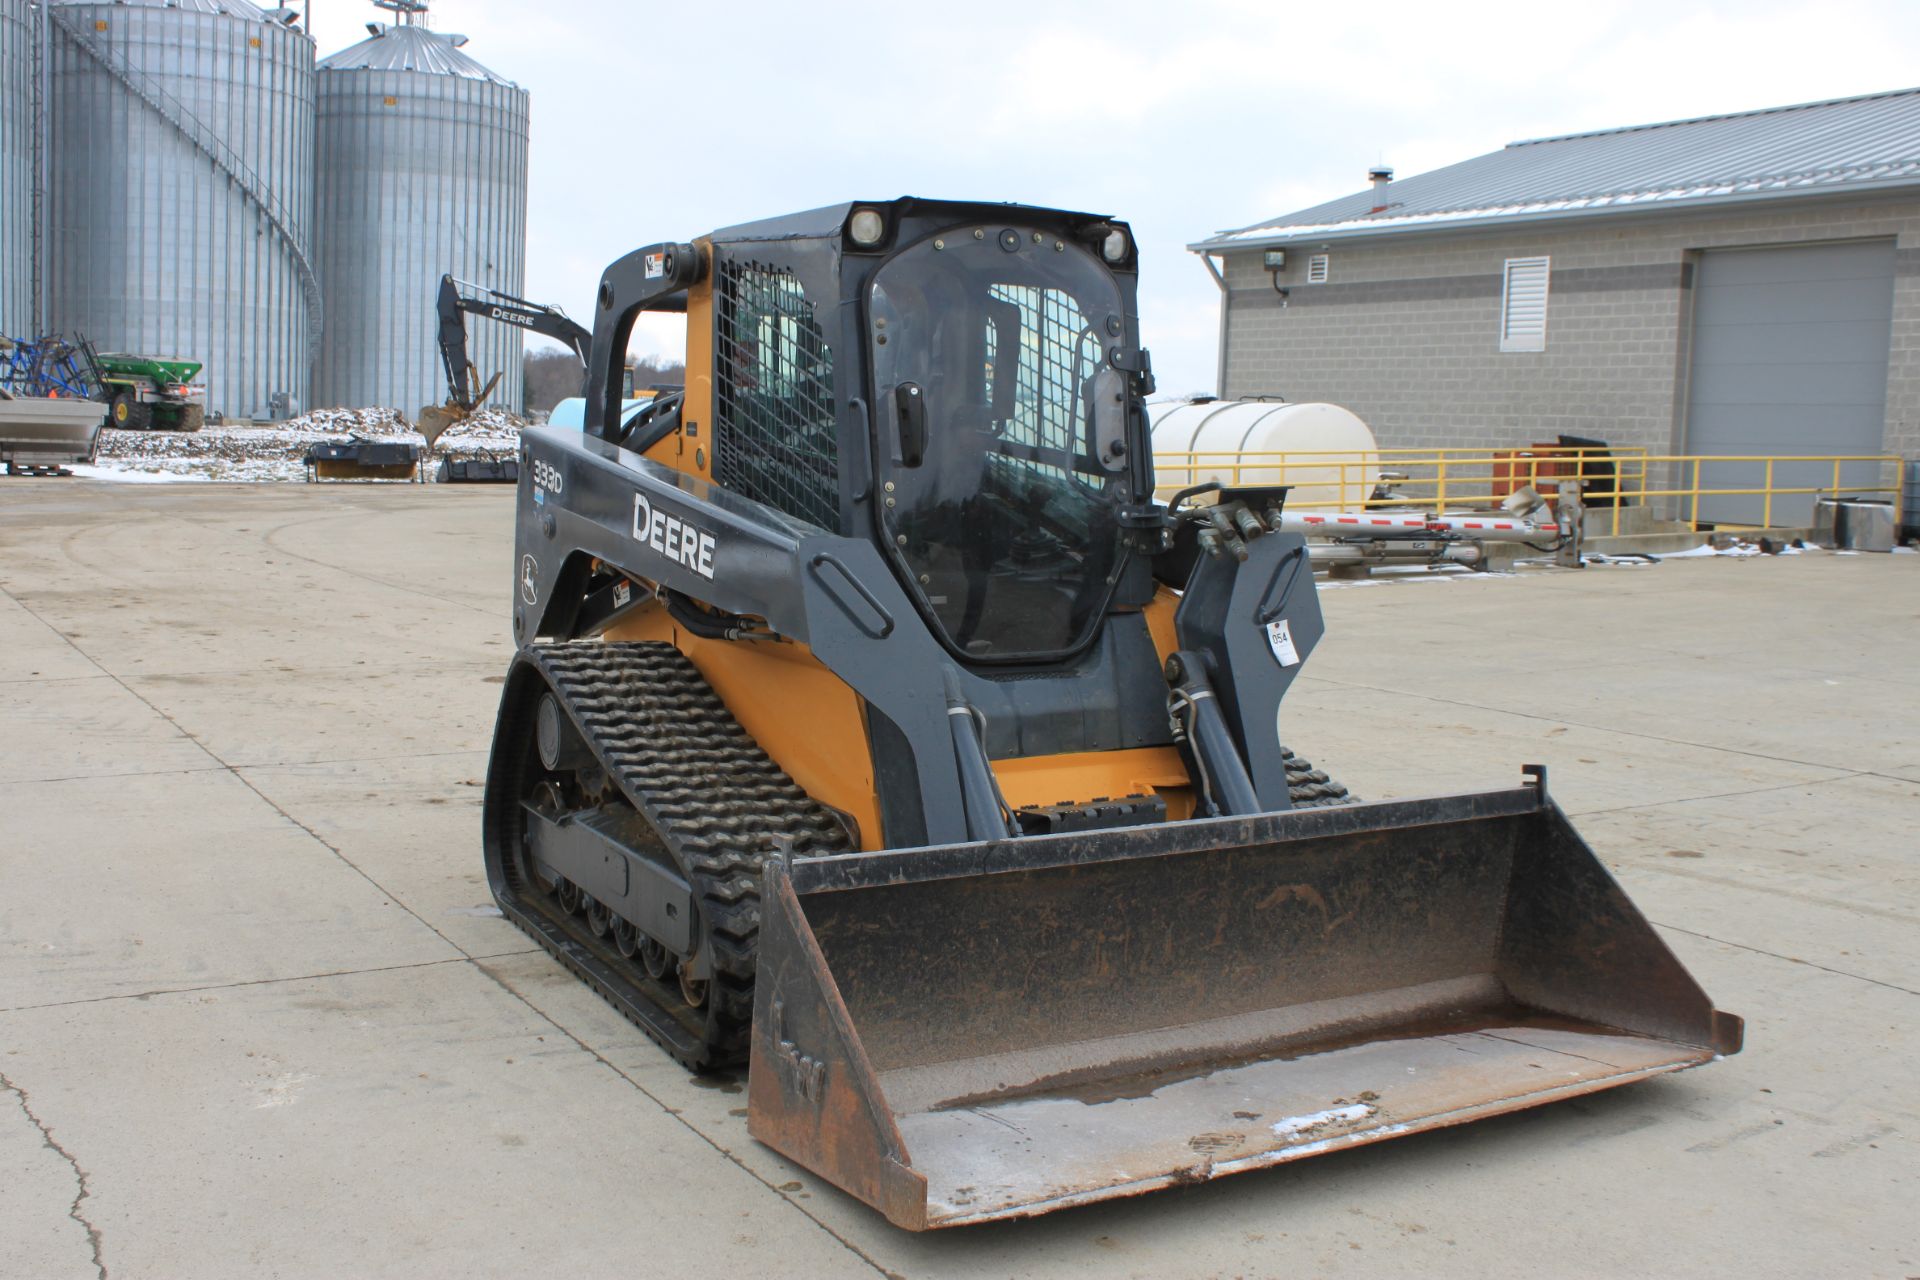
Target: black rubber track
{"points": [[718, 802], [1311, 788]]}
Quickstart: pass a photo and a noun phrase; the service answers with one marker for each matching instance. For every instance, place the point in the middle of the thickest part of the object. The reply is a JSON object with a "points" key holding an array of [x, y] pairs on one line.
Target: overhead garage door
{"points": [[1789, 357]]}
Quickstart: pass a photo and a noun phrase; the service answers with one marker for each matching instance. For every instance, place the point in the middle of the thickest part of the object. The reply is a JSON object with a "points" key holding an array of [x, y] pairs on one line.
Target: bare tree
{"points": [[552, 376], [659, 371]]}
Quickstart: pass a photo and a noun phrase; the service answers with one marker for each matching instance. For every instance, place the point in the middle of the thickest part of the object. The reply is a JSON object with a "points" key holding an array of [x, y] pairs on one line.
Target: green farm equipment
{"points": [[148, 391]]}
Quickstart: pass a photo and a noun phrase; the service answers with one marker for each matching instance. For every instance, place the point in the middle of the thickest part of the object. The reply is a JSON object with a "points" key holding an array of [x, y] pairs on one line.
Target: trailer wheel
{"points": [[129, 414], [193, 417]]}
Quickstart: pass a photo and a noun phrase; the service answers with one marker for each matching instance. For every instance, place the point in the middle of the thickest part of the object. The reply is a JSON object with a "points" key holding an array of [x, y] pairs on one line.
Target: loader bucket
{"points": [[970, 1032]]}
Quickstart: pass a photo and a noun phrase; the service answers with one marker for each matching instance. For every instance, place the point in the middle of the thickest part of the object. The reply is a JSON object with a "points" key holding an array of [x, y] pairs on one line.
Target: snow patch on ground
{"points": [[247, 454], [102, 471], [1296, 1125], [1742, 550], [1736, 549], [223, 453]]}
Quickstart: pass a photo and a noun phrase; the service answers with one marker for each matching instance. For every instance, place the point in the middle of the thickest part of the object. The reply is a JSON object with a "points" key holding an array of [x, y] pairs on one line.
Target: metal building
{"points": [[16, 168], [422, 171], [1723, 287], [181, 191]]}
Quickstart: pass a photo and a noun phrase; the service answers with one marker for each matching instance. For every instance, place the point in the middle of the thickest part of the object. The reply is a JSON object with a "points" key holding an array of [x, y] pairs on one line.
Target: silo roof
{"points": [[233, 8], [407, 49], [1847, 146]]}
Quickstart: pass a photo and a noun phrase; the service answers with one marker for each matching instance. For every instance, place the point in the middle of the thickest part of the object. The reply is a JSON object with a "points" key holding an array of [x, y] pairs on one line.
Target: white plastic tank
{"points": [[1332, 462], [572, 411]]}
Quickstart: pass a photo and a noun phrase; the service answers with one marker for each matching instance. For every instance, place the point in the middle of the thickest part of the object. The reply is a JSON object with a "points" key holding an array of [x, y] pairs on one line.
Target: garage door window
{"points": [[1523, 305]]}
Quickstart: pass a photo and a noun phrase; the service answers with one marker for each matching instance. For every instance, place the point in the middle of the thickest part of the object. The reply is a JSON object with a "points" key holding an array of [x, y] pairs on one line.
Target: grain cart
{"points": [[150, 391], [874, 728]]}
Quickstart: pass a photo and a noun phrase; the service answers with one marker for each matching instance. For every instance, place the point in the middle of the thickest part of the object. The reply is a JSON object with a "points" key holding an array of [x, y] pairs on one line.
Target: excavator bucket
{"points": [[971, 1032], [436, 418]]}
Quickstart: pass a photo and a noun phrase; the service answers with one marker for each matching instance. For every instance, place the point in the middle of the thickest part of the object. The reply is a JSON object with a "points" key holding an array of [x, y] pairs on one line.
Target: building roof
{"points": [[1847, 145], [409, 48]]}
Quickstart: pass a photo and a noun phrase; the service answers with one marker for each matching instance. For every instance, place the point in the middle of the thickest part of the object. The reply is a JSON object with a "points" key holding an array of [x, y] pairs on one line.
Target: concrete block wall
{"points": [[1406, 330]]}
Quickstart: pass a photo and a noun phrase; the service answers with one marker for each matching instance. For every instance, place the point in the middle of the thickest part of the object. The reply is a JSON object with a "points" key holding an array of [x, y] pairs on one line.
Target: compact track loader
{"points": [[873, 727]]}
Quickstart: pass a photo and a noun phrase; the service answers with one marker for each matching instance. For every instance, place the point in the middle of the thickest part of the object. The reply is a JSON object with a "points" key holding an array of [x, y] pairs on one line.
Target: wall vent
{"points": [[1523, 305], [1317, 269]]}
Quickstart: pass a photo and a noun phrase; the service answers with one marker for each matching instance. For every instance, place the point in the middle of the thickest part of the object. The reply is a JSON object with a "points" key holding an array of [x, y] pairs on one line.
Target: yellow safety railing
{"points": [[1612, 480]]}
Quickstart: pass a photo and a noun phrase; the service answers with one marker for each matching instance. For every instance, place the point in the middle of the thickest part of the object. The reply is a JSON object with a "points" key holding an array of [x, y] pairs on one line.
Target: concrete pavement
{"points": [[257, 1016]]}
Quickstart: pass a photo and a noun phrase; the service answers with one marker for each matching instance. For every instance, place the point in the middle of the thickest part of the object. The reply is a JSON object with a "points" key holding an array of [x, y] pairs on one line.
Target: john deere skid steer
{"points": [[873, 728]]}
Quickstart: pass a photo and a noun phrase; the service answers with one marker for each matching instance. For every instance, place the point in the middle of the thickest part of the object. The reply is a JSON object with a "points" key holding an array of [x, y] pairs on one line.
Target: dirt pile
{"points": [[275, 452], [368, 424], [248, 454], [489, 433]]}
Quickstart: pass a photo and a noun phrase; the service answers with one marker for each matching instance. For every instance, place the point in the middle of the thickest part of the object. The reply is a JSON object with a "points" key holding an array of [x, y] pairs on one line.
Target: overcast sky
{"points": [[661, 122]]}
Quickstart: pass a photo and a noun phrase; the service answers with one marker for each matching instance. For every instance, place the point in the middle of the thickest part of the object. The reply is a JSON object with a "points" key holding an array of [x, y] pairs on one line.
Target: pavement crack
{"points": [[247, 982], [83, 1188], [1762, 951], [1747, 884], [264, 765], [110, 777], [233, 769], [272, 540], [1717, 795]]}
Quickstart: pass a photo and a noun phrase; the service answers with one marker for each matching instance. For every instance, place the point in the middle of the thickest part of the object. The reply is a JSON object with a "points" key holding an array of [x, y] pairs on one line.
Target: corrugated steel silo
{"points": [[422, 171], [181, 191], [16, 168]]}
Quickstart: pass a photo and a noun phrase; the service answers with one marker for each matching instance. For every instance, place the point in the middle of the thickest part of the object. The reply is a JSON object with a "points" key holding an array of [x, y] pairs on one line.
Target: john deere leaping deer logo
{"points": [[529, 579], [799, 1073]]}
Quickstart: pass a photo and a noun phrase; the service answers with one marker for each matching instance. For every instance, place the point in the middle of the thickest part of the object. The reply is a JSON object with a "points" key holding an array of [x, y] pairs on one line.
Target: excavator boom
{"points": [[457, 300]]}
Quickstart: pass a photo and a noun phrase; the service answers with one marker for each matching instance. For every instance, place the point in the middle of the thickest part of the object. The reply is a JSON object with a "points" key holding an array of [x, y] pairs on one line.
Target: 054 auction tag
{"points": [[1280, 640]]}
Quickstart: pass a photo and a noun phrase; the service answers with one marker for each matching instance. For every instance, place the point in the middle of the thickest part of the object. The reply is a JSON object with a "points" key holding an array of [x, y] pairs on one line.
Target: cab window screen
{"points": [[776, 439], [1051, 369]]}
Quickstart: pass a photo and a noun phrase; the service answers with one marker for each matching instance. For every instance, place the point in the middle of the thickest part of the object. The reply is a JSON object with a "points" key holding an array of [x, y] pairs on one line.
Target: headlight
{"points": [[1114, 247], [867, 227]]}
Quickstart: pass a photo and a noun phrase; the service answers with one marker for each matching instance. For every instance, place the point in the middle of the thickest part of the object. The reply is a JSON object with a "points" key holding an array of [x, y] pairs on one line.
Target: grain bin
{"points": [[423, 171], [1336, 460], [181, 193], [16, 168]]}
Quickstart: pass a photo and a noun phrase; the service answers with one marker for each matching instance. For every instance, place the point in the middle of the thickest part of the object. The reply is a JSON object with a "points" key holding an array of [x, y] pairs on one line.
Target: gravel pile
{"points": [[245, 454], [490, 433], [368, 424], [250, 454]]}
